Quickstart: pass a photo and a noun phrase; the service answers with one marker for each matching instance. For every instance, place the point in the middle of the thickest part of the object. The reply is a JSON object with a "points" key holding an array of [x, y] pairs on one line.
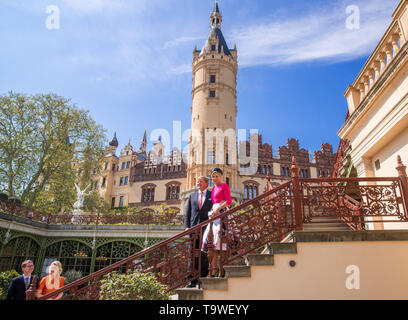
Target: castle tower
{"points": [[213, 141], [113, 145], [143, 144]]}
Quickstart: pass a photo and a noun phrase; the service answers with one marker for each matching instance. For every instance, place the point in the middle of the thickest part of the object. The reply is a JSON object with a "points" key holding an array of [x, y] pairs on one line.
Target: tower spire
{"points": [[216, 17], [143, 145]]}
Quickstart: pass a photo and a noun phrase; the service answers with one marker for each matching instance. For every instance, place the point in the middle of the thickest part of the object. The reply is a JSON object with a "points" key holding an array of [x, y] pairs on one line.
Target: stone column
{"points": [[366, 81], [395, 37], [371, 77], [382, 57], [376, 70], [388, 52]]}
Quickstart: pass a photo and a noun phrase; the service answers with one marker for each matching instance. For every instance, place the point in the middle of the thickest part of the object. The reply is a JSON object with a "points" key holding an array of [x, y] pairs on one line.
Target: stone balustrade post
{"points": [[371, 77], [362, 92], [388, 52], [366, 81], [376, 70], [395, 37], [382, 56]]}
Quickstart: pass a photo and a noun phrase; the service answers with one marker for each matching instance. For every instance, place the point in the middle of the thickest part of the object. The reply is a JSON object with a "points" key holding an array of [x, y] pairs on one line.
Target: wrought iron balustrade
{"points": [[143, 217], [264, 219]]}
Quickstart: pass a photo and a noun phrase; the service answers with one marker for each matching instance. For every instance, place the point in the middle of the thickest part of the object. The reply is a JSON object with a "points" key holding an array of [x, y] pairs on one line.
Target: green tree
{"points": [[133, 285], [5, 279], [46, 144]]}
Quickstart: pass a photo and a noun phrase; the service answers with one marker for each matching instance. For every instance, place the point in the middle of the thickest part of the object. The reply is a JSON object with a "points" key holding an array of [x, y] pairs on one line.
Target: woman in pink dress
{"points": [[221, 198]]}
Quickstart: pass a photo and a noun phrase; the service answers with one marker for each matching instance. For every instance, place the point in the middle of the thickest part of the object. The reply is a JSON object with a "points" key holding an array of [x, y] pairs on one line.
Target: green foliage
{"points": [[95, 203], [72, 275], [5, 279], [132, 286], [46, 144]]}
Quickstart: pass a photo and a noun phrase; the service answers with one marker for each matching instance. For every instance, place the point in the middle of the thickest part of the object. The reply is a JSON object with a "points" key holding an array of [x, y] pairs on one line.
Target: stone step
{"points": [[189, 294], [326, 228], [260, 260], [214, 283], [279, 248], [237, 271]]}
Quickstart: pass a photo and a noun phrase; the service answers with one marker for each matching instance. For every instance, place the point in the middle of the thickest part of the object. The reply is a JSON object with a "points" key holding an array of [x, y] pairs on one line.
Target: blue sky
{"points": [[129, 61]]}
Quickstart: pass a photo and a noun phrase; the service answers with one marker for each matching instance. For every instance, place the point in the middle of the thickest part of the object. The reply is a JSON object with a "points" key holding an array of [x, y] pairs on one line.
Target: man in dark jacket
{"points": [[18, 286], [198, 206]]}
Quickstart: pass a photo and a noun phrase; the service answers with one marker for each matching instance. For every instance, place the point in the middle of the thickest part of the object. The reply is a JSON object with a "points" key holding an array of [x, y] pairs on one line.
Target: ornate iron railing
{"points": [[329, 199], [145, 216], [171, 260], [267, 218]]}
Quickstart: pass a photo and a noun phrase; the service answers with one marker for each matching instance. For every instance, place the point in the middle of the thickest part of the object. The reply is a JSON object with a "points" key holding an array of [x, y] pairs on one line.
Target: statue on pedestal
{"points": [[79, 203]]}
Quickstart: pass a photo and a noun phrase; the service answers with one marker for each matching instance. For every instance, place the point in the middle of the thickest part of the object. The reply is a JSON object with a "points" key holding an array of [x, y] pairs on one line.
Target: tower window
{"points": [[212, 94], [212, 78], [213, 47], [211, 157]]}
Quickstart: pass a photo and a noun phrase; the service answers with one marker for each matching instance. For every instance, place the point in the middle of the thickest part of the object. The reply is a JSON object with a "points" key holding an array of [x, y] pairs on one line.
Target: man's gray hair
{"points": [[204, 178]]}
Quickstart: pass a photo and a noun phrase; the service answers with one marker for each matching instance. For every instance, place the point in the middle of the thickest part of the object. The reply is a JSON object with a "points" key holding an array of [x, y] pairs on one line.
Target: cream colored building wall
{"points": [[378, 122], [276, 169], [369, 133], [320, 274], [313, 172]]}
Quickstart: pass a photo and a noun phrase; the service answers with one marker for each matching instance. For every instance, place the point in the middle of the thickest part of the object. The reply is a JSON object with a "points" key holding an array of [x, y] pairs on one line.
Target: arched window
{"points": [[148, 193], [16, 251], [112, 252], [73, 255], [250, 189], [173, 190]]}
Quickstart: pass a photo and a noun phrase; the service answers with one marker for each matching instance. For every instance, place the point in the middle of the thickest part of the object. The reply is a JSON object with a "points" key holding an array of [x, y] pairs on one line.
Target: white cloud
{"points": [[89, 6], [319, 35]]}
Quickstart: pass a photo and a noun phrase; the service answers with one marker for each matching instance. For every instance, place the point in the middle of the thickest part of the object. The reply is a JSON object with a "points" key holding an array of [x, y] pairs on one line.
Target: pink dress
{"points": [[219, 194]]}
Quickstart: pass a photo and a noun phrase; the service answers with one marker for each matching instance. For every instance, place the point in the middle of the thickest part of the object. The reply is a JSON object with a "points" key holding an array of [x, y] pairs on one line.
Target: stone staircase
{"points": [[314, 267], [237, 271]]}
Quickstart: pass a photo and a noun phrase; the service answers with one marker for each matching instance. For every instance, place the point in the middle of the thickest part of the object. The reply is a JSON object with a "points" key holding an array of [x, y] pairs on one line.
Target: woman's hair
{"points": [[216, 170], [59, 265]]}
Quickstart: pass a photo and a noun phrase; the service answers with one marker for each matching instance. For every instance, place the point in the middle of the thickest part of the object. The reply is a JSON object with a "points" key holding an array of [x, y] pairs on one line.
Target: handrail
{"points": [[259, 221], [161, 244]]}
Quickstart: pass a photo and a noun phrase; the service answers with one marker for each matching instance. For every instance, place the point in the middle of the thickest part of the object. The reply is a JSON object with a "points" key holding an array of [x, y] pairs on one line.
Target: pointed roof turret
{"points": [[215, 40], [216, 9], [114, 142], [216, 17], [144, 137], [143, 144]]}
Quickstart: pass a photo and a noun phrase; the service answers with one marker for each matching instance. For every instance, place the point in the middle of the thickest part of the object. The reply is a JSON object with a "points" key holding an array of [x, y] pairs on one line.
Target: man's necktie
{"points": [[200, 201], [26, 283]]}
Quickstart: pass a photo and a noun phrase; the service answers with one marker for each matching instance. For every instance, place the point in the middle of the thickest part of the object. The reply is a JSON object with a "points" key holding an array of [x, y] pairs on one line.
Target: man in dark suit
{"points": [[198, 206], [18, 286]]}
